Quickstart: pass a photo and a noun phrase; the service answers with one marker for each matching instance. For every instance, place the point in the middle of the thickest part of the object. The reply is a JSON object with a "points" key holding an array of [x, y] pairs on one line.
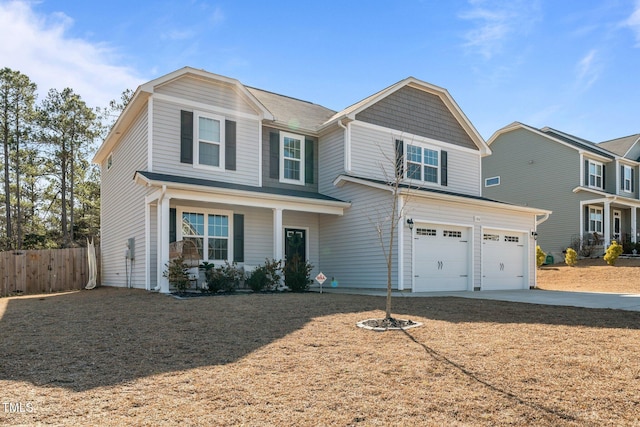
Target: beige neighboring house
{"points": [[248, 174], [591, 188]]}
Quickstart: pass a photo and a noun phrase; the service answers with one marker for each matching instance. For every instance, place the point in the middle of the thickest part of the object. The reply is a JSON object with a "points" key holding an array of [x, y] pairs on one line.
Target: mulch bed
{"points": [[129, 357]]}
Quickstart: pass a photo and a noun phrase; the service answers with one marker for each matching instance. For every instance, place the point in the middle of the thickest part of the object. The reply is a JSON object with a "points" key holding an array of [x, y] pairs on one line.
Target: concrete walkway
{"points": [[630, 302]]}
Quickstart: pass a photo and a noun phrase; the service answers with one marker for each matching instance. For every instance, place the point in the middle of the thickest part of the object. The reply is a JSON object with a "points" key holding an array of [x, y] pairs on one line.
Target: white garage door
{"points": [[441, 258], [503, 260]]}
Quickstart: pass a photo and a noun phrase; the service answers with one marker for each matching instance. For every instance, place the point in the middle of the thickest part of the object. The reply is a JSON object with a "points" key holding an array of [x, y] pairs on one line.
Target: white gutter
{"points": [[347, 146]]}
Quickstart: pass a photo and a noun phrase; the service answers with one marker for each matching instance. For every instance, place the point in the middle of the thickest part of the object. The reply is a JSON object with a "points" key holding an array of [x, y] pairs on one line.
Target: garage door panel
{"points": [[441, 257], [503, 260]]}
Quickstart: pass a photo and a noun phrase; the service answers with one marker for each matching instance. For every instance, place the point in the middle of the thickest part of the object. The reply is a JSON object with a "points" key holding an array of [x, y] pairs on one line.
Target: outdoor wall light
{"points": [[535, 235], [410, 223]]}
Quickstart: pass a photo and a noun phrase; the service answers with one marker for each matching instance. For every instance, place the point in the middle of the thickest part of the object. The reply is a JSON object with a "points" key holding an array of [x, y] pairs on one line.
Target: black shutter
{"points": [[443, 168], [586, 173], [230, 145], [633, 185], [603, 175], [172, 225], [399, 158], [186, 136], [622, 178], [586, 218], [238, 238], [308, 161], [274, 155]]}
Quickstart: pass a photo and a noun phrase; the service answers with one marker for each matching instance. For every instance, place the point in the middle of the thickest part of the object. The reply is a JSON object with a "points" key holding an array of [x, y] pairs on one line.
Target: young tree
{"points": [[68, 125]]}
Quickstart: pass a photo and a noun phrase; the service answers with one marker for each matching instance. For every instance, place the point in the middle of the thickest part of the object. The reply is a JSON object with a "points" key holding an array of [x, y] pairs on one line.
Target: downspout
{"points": [[347, 147], [158, 253]]}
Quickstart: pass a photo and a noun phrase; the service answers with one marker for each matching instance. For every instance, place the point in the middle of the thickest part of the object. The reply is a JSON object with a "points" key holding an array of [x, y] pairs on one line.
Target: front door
{"points": [[295, 243], [616, 225]]}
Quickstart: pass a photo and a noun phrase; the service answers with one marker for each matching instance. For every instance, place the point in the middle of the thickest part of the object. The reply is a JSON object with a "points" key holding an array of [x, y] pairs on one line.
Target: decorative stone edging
{"points": [[408, 324]]}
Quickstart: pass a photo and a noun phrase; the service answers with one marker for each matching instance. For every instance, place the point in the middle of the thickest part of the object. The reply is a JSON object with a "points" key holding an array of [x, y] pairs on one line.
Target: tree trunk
{"points": [[17, 172], [7, 182]]}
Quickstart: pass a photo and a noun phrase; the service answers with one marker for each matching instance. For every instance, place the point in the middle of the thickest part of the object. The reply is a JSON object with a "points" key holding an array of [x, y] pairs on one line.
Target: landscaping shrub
{"points": [[297, 274], [613, 252], [571, 257], [540, 256], [265, 277], [225, 278], [628, 247], [178, 274]]}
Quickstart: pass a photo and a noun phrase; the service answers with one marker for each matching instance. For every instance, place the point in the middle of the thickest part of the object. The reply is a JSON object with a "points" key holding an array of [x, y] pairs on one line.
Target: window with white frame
{"points": [[422, 163], [595, 174], [209, 231], [595, 220], [209, 134], [292, 158], [492, 182], [109, 161], [627, 181]]}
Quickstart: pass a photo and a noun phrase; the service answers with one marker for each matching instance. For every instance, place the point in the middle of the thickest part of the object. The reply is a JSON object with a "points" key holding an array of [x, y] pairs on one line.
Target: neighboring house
{"points": [[592, 189], [247, 175]]}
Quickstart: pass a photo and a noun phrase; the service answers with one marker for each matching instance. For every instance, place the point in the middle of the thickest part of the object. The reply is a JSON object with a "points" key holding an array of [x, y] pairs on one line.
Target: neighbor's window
{"points": [[595, 220], [209, 132], [210, 233], [109, 161], [595, 174], [627, 182], [490, 182], [291, 158], [422, 163]]}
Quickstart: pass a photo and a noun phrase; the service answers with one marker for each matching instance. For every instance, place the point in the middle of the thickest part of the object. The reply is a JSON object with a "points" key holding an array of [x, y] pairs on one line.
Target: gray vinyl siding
{"points": [[537, 172], [330, 159], [373, 154], [267, 181], [207, 92], [420, 113], [475, 217], [122, 204], [166, 147], [349, 247]]}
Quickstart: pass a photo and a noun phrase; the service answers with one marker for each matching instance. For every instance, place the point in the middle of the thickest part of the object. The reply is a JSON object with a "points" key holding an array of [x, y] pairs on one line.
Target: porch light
{"points": [[535, 235], [410, 223]]}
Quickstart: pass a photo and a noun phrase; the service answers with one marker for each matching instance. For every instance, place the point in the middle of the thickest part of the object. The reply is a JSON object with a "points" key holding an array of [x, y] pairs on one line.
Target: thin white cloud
{"points": [[40, 47], [633, 22], [495, 22], [588, 69]]}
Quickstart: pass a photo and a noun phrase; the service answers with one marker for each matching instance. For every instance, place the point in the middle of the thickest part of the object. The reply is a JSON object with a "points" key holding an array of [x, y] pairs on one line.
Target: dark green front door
{"points": [[295, 242]]}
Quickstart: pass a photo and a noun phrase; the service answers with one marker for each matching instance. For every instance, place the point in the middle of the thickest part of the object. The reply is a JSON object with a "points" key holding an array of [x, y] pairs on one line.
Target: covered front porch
{"points": [[609, 218], [228, 223]]}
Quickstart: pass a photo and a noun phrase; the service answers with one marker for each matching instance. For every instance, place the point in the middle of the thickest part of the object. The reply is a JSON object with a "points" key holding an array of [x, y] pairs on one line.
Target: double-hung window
{"points": [[209, 231], [422, 163], [209, 134], [595, 220], [595, 174], [627, 179], [292, 158]]}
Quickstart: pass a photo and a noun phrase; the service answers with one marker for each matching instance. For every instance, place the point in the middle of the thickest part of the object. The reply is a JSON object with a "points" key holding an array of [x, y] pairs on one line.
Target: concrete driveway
{"points": [[630, 302]]}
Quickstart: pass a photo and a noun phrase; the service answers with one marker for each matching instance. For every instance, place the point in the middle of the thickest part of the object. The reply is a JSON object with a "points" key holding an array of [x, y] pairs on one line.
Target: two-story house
{"points": [[247, 174], [591, 188]]}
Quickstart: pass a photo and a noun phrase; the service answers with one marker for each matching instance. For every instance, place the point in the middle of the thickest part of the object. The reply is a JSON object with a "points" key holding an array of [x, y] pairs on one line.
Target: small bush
{"points": [[225, 278], [265, 277], [613, 252], [571, 258], [540, 256], [297, 274], [178, 274]]}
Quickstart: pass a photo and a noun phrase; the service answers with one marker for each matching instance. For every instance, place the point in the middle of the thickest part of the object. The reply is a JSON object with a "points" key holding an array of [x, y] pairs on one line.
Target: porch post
{"points": [[634, 238], [278, 239], [163, 243], [606, 219]]}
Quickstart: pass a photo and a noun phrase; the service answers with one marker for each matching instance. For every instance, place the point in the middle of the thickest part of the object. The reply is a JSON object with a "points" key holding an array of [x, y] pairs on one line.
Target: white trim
{"points": [[596, 163], [258, 154], [491, 185], [214, 109], [197, 115], [278, 235], [147, 246], [626, 168], [526, 243], [423, 147], [400, 230], [150, 134], [302, 159], [180, 209]]}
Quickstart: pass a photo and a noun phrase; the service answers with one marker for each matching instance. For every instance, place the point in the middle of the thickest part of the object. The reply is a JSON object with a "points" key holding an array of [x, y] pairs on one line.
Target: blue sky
{"points": [[570, 64]]}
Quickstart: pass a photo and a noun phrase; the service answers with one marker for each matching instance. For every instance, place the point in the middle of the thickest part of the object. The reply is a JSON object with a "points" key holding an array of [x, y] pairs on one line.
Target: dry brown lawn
{"points": [[129, 357], [592, 275]]}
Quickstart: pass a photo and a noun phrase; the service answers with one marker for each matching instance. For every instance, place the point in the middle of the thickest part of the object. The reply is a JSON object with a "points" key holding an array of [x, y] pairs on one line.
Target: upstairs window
{"points": [[492, 182], [595, 174], [422, 163], [209, 132], [292, 163], [627, 179]]}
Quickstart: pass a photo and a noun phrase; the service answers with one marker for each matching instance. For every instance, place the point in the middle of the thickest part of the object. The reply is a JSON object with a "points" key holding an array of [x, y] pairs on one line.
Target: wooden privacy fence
{"points": [[41, 271]]}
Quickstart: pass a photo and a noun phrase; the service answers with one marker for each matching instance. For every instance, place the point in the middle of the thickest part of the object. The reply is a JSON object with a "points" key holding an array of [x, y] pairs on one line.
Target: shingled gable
{"points": [[622, 146], [143, 92], [408, 92]]}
